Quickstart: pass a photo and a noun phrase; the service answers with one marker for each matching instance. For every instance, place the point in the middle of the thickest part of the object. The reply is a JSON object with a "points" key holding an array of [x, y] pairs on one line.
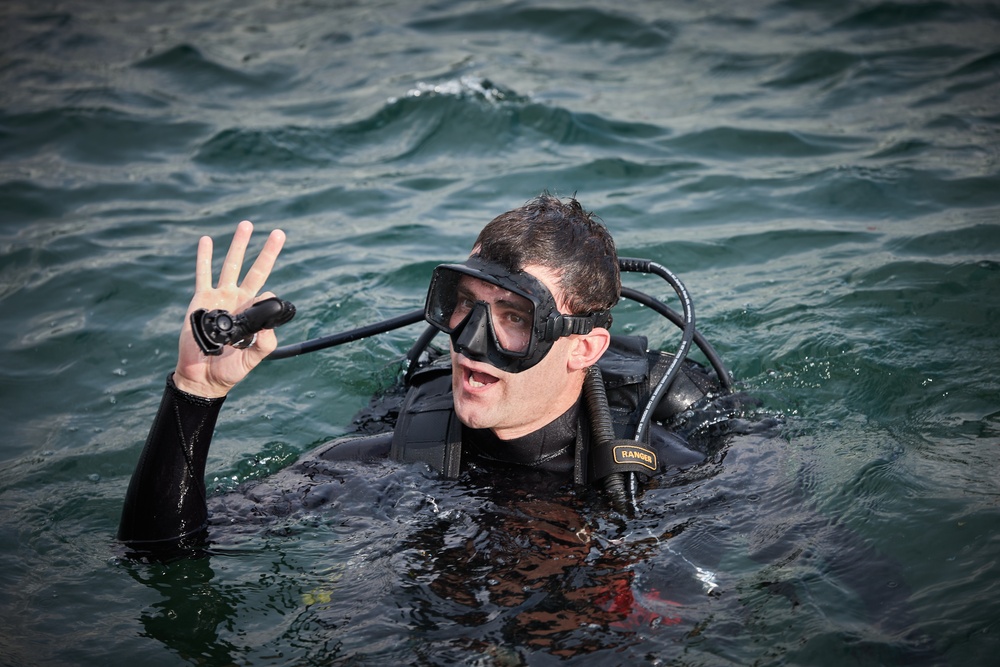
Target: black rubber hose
{"points": [[620, 491], [417, 349], [646, 266], [324, 342], [706, 347]]}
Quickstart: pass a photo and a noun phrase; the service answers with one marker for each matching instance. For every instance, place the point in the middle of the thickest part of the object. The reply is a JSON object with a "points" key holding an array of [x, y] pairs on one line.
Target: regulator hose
{"points": [[618, 485], [647, 266], [725, 379], [324, 342]]}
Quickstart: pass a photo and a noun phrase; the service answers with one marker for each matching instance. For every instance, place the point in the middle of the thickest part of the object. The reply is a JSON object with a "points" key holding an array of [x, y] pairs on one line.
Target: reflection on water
{"points": [[499, 567], [822, 176]]}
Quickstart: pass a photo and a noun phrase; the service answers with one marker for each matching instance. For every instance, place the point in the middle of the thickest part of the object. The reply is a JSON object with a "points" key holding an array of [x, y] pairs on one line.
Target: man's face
{"points": [[513, 404]]}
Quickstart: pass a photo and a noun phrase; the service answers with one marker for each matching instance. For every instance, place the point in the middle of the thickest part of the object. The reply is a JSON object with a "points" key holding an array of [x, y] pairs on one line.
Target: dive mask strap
{"points": [[569, 325]]}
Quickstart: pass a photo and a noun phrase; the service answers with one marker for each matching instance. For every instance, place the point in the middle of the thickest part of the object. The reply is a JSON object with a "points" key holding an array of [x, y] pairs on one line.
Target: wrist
{"points": [[196, 389]]}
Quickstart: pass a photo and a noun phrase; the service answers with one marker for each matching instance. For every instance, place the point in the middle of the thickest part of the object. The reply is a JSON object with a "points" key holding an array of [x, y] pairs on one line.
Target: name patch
{"points": [[636, 454]]}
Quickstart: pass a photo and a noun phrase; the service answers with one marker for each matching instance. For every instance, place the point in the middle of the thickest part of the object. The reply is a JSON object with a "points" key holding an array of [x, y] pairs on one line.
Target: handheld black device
{"points": [[214, 329]]}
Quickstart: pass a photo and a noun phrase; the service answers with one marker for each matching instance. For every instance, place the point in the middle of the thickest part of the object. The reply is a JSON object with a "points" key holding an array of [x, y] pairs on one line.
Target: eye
{"points": [[464, 302], [516, 321]]}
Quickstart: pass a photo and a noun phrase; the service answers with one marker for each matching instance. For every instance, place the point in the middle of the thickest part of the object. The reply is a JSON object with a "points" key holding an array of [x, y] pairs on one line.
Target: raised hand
{"points": [[214, 376]]}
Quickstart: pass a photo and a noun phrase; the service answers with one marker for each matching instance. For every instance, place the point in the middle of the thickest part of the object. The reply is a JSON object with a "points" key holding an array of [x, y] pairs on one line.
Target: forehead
{"points": [[548, 277], [484, 291]]}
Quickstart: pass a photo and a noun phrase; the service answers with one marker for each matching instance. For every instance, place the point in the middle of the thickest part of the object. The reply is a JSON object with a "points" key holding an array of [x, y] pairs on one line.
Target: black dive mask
{"points": [[507, 319]]}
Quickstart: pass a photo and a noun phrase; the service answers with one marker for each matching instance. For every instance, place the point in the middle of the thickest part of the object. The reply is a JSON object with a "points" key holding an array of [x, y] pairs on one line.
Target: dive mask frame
{"points": [[475, 335]]}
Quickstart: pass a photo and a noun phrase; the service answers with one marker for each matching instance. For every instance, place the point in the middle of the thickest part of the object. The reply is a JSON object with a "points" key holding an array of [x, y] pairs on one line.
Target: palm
{"points": [[214, 376]]}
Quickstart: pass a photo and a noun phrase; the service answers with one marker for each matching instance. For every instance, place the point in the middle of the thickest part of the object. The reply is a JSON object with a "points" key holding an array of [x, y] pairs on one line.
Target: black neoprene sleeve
{"points": [[165, 503]]}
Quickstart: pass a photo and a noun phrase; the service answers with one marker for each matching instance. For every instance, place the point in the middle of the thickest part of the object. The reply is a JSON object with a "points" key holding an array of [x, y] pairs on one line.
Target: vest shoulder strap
{"points": [[427, 429]]}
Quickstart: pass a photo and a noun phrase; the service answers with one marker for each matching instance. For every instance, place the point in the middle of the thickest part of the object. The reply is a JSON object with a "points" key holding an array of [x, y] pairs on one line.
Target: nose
{"points": [[471, 338]]}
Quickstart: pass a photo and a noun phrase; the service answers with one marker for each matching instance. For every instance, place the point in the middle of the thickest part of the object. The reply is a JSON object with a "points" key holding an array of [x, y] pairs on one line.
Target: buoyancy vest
{"points": [[428, 430]]}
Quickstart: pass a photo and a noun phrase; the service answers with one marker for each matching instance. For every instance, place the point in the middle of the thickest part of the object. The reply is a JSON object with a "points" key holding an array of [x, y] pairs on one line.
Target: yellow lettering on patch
{"points": [[635, 454]]}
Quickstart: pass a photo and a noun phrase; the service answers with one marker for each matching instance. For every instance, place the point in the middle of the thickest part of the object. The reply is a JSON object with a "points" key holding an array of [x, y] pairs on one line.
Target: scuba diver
{"points": [[535, 400], [534, 380]]}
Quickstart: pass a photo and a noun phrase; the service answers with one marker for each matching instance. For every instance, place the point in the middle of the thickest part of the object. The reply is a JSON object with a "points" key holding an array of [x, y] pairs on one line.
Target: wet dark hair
{"points": [[564, 238]]}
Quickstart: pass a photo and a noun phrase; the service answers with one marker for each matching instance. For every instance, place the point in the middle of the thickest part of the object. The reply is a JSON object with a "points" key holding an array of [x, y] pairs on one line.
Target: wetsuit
{"points": [[166, 503]]}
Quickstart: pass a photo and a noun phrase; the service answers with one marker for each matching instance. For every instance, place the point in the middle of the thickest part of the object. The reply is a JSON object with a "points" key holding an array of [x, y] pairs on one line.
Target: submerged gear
{"points": [[165, 507], [508, 319]]}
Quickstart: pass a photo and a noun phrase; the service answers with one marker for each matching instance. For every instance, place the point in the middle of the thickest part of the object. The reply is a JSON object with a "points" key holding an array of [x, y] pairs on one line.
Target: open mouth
{"points": [[479, 379]]}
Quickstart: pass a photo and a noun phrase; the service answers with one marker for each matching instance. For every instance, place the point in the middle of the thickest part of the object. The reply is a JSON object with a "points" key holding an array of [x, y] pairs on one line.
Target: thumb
{"points": [[264, 344]]}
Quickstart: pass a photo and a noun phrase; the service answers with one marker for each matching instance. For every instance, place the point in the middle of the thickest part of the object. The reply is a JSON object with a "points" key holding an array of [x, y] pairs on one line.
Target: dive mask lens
{"points": [[505, 318], [455, 295]]}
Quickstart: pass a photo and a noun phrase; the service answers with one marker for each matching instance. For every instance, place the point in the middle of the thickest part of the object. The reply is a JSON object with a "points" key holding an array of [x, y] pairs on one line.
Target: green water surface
{"points": [[823, 177]]}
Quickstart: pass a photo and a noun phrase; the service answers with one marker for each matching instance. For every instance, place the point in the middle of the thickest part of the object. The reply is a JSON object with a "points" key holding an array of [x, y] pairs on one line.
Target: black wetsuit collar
{"points": [[549, 448]]}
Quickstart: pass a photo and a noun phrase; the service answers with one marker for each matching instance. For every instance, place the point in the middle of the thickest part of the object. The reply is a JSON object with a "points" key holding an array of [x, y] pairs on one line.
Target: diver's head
{"points": [[497, 312], [527, 314], [508, 319], [560, 236]]}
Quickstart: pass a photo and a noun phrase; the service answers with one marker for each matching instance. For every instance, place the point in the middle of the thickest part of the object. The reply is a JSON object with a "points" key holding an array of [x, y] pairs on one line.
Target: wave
{"points": [[736, 143], [579, 24], [464, 117], [192, 70], [885, 15], [99, 135]]}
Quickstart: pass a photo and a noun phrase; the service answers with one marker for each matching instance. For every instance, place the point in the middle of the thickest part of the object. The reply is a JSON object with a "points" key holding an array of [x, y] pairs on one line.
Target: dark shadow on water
{"points": [[193, 610], [513, 567]]}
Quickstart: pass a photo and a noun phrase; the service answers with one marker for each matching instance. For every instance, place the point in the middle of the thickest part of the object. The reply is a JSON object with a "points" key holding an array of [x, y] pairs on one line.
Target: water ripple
{"points": [[455, 118], [823, 177], [579, 24], [191, 69]]}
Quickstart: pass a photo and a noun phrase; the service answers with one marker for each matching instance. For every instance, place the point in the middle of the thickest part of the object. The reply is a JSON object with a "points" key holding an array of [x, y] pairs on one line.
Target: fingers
{"points": [[230, 273], [267, 342], [203, 265], [261, 269]]}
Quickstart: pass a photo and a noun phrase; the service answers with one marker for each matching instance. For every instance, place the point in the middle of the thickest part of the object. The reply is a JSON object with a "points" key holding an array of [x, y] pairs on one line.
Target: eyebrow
{"points": [[516, 304], [513, 305]]}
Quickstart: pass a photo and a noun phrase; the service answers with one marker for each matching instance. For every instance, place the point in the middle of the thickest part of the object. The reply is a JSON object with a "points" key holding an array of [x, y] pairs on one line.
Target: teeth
{"points": [[475, 382]]}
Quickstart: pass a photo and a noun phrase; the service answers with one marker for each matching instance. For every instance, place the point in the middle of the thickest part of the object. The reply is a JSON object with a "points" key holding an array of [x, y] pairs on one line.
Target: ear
{"points": [[588, 348]]}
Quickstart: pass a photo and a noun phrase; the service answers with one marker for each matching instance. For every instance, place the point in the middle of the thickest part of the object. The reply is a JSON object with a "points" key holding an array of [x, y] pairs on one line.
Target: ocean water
{"points": [[824, 177]]}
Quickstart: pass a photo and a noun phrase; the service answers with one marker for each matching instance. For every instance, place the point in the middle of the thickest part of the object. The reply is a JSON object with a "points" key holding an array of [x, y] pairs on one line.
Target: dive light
{"points": [[214, 329]]}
